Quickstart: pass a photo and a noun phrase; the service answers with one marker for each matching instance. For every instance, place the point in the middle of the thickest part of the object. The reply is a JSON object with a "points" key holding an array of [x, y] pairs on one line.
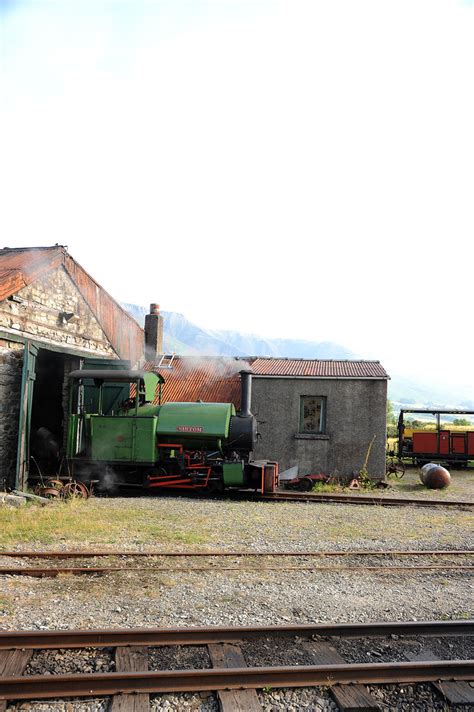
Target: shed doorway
{"points": [[43, 413], [47, 414], [44, 406]]}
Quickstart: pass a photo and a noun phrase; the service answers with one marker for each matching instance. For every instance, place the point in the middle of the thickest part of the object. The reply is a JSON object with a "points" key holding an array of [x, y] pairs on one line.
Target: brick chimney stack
{"points": [[153, 333]]}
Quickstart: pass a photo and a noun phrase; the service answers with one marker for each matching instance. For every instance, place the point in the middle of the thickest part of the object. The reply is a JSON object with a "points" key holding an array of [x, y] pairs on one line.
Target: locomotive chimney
{"points": [[153, 333], [246, 393]]}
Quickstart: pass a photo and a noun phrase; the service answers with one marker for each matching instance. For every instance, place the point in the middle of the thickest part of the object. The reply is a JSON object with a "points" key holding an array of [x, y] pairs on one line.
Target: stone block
{"points": [[11, 500]]}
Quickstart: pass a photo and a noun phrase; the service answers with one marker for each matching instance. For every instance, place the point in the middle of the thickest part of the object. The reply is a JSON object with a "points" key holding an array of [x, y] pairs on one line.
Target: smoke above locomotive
{"points": [[115, 431]]}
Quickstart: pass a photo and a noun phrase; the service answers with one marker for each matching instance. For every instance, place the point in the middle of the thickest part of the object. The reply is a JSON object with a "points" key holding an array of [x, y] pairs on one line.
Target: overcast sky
{"points": [[292, 169]]}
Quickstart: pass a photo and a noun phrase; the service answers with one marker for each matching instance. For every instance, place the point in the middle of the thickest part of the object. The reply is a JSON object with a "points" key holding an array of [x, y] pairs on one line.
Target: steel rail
{"points": [[361, 499], [90, 685], [51, 572], [91, 554], [53, 639]]}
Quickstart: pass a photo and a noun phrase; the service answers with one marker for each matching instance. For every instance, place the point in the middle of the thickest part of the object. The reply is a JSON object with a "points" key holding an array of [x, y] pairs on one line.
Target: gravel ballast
{"points": [[259, 597]]}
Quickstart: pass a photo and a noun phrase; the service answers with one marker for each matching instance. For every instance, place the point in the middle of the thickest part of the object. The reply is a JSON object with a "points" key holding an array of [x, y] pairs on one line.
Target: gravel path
{"points": [[263, 597], [129, 600]]}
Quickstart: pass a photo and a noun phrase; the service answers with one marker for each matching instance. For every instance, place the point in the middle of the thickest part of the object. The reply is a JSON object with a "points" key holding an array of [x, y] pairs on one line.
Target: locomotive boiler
{"points": [[117, 435]]}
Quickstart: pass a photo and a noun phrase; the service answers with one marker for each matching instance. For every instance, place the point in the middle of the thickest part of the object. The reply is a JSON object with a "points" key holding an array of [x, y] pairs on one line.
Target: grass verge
{"points": [[86, 522]]}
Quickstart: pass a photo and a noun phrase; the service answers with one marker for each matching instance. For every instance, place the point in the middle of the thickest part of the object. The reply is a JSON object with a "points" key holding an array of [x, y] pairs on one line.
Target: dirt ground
{"points": [[461, 487]]}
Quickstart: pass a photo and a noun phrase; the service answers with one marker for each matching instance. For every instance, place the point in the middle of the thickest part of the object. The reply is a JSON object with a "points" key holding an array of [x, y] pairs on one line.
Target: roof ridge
{"points": [[275, 358], [117, 304], [326, 360], [31, 249]]}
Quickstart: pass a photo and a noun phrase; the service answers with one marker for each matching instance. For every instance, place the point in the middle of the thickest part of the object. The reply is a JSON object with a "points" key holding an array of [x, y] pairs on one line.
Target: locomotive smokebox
{"points": [[434, 476]]}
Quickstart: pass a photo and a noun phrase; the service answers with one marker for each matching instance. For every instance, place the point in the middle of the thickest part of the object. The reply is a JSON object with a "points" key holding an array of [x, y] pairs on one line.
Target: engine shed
{"points": [[54, 318]]}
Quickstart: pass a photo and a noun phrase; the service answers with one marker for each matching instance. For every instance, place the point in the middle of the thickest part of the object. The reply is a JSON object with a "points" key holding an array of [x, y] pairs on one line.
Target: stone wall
{"points": [[11, 365], [356, 411], [37, 312]]}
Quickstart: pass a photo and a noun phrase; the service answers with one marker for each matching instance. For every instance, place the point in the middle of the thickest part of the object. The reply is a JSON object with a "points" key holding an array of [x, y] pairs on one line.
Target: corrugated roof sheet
{"points": [[22, 266], [191, 378], [123, 332], [217, 380], [304, 368]]}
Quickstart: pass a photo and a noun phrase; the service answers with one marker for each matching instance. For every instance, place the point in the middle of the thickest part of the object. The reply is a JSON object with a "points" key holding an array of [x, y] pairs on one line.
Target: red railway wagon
{"points": [[440, 445]]}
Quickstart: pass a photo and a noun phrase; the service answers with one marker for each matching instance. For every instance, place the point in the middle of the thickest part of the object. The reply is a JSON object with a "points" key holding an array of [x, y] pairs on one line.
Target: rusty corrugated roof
{"points": [[315, 368], [123, 332], [193, 378], [217, 379], [22, 266]]}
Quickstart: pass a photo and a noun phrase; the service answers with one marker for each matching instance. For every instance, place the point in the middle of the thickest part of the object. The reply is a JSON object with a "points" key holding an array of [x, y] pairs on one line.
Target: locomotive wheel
{"points": [[395, 467], [306, 484]]}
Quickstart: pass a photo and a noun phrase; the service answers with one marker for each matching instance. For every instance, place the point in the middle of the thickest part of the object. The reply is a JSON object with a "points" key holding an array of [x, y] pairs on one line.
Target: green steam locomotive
{"points": [[117, 437]]}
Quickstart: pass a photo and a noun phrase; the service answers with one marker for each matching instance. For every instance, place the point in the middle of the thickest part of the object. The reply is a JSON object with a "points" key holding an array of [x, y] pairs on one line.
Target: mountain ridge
{"points": [[183, 337], [178, 330]]}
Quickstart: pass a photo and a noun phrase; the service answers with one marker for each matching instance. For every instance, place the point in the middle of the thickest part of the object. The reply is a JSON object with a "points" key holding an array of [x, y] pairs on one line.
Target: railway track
{"points": [[227, 673], [388, 557], [51, 572], [78, 554], [314, 497], [363, 499]]}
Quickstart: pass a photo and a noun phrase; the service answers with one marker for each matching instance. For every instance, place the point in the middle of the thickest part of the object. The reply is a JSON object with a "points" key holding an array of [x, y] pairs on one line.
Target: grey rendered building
{"points": [[321, 415]]}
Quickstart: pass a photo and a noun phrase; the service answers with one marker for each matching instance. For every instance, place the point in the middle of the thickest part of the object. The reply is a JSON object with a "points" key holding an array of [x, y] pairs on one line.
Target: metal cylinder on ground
{"points": [[434, 476]]}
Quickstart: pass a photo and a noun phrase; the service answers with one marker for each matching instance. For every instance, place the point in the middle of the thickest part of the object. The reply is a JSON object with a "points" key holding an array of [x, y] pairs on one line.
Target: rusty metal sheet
{"points": [[22, 266], [121, 329], [217, 379], [316, 368], [212, 380]]}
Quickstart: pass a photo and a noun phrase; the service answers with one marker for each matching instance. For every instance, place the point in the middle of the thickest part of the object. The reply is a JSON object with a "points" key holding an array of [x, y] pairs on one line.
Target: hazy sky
{"points": [[292, 169]]}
